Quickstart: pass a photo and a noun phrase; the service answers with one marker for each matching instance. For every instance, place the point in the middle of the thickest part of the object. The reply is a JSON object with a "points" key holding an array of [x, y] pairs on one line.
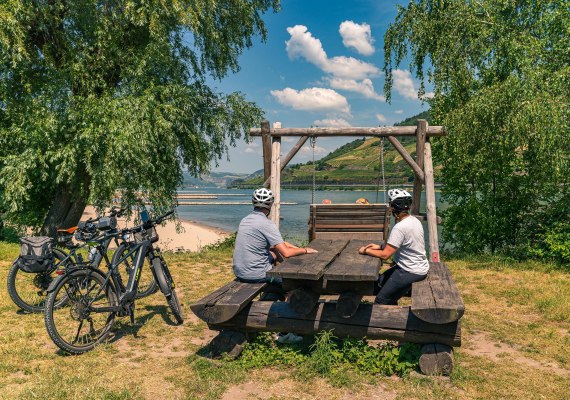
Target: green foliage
{"points": [[555, 244], [97, 97], [413, 121], [226, 244], [329, 357], [263, 351], [501, 75]]}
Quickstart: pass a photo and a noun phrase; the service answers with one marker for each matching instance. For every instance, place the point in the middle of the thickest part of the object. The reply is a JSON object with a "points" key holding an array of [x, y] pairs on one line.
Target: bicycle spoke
{"points": [[78, 331]]}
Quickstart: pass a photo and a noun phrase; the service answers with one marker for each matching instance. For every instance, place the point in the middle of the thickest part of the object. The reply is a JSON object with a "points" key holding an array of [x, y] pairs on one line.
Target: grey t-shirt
{"points": [[256, 234], [408, 237]]}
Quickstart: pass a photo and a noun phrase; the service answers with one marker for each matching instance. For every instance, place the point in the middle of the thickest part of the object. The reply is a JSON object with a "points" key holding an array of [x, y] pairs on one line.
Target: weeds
{"points": [[339, 361]]}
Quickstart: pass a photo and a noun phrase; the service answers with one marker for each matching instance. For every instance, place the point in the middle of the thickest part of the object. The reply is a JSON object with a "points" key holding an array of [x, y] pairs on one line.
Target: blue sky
{"points": [[320, 66]]}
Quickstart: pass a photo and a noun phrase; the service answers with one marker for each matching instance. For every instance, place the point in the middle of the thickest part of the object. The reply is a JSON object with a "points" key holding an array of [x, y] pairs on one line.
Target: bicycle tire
{"points": [[29, 290], [81, 284], [172, 297], [146, 287]]}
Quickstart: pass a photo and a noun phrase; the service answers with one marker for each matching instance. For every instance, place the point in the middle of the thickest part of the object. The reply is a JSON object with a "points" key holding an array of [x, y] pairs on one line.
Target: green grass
{"points": [[519, 310]]}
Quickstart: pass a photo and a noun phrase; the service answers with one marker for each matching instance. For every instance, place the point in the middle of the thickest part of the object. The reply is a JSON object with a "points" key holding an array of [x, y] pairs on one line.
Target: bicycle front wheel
{"points": [[87, 317], [29, 290], [170, 294]]}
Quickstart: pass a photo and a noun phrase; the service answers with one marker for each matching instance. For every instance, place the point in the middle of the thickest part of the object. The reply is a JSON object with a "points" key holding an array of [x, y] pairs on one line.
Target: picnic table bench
{"points": [[433, 319]]}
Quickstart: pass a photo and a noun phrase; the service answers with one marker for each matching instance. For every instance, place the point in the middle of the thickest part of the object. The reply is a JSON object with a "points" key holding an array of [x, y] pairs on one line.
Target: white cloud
{"points": [[336, 123], [381, 118], [399, 112], [364, 87], [312, 99], [404, 85], [308, 150], [357, 36], [303, 45], [249, 150]]}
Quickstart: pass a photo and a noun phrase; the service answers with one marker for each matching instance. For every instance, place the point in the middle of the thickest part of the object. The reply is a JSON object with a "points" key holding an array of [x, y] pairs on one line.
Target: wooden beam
{"points": [[276, 179], [266, 143], [407, 157], [289, 156], [373, 321], [420, 144], [430, 204], [379, 131]]}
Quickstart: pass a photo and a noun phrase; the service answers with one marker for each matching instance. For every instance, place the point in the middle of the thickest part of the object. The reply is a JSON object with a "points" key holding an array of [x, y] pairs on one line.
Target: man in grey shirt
{"points": [[259, 243], [406, 243]]}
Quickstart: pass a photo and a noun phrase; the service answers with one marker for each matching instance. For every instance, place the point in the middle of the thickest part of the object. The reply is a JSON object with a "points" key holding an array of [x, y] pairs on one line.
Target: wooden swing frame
{"points": [[422, 165]]}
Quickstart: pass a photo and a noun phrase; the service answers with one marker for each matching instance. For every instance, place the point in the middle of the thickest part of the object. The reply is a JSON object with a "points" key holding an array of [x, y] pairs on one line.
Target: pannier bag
{"points": [[36, 254]]}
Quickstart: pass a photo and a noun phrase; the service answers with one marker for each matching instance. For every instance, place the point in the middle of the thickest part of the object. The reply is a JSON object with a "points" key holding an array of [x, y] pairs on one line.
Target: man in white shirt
{"points": [[406, 243]]}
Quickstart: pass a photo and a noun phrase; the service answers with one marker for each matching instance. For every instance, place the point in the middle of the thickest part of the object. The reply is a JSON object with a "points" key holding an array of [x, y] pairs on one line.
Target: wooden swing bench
{"points": [[340, 221]]}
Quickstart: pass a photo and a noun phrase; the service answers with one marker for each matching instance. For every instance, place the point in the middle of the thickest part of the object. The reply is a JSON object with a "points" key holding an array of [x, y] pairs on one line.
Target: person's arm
{"points": [[292, 251], [375, 250]]}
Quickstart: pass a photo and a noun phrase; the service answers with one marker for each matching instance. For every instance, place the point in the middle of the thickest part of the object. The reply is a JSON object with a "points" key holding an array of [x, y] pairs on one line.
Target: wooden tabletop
{"points": [[337, 260]]}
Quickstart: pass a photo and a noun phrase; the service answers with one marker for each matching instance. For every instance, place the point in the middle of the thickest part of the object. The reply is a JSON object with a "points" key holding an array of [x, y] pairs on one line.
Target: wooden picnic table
{"points": [[337, 268]]}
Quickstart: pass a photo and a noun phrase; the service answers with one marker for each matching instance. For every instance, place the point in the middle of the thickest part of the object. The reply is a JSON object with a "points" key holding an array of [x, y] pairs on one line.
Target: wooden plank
{"points": [[350, 222], [422, 129], [310, 266], [407, 158], [351, 206], [266, 142], [276, 179], [352, 266], [377, 131], [436, 299], [371, 236], [373, 321], [430, 205], [345, 227], [224, 303]]}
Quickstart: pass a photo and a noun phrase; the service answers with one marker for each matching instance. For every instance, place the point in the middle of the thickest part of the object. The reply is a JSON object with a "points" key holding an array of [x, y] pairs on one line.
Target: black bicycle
{"points": [[96, 298], [28, 290]]}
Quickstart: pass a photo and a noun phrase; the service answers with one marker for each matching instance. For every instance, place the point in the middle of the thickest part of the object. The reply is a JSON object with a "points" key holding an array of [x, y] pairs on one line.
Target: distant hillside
{"points": [[214, 179], [355, 164]]}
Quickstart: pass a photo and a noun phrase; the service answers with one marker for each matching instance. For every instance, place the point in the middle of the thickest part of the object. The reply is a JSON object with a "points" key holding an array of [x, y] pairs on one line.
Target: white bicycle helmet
{"points": [[263, 198], [399, 199]]}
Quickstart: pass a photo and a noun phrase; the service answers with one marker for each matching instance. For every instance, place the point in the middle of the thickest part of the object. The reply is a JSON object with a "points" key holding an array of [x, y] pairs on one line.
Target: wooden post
{"points": [[421, 132], [266, 143], [276, 179], [289, 156], [347, 304], [407, 158], [436, 359], [302, 300], [430, 204]]}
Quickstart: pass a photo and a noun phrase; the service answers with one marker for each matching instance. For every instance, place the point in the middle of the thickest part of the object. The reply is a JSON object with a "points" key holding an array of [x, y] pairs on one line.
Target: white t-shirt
{"points": [[408, 237]]}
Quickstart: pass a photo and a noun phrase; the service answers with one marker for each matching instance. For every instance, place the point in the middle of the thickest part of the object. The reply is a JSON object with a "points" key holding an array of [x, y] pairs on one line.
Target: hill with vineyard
{"points": [[357, 164]]}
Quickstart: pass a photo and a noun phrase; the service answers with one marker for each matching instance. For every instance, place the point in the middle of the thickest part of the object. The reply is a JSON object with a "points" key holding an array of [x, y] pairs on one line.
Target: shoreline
{"points": [[193, 237]]}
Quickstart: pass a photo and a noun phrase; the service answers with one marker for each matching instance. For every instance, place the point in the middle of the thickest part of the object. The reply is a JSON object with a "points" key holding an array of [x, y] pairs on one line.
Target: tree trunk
{"points": [[66, 210]]}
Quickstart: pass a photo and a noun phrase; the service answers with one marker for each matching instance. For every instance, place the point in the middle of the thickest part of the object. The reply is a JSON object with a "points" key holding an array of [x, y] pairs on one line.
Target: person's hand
{"points": [[309, 250], [363, 249], [373, 246]]}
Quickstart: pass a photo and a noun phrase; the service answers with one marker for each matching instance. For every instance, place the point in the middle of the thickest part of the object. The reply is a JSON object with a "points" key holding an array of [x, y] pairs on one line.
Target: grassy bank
{"points": [[516, 343]]}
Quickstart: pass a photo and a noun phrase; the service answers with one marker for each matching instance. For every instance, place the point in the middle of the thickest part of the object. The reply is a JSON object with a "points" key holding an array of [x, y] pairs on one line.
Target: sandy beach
{"points": [[193, 236]]}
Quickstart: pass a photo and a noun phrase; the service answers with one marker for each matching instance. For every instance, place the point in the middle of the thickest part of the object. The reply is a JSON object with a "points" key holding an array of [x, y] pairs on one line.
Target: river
{"points": [[294, 217]]}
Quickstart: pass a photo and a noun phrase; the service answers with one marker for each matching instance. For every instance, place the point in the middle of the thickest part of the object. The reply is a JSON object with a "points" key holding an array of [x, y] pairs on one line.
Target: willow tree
{"points": [[104, 95], [501, 73]]}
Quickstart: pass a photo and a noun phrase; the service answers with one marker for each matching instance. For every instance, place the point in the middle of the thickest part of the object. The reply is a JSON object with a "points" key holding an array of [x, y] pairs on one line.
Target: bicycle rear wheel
{"points": [[81, 323], [147, 284], [29, 290]]}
